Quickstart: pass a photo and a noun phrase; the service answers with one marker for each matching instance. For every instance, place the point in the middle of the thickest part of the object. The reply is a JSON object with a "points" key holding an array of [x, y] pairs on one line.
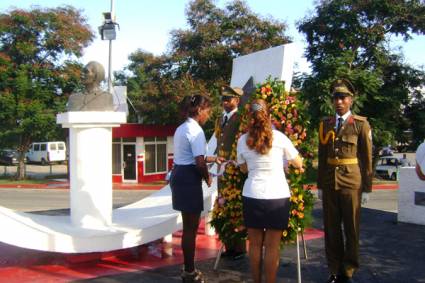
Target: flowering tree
{"points": [[38, 71], [287, 116]]}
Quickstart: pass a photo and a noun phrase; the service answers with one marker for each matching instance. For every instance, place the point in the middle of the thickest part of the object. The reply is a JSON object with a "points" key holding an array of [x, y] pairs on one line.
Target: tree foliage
{"points": [[351, 39], [199, 57], [37, 71], [415, 113]]}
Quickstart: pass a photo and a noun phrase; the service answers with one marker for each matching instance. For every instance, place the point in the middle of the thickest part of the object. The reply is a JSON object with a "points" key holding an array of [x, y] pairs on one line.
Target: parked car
{"points": [[388, 167], [9, 157], [47, 152]]}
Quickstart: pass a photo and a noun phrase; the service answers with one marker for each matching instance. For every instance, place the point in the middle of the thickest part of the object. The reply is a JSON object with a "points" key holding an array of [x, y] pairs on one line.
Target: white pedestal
{"points": [[90, 160], [410, 185]]}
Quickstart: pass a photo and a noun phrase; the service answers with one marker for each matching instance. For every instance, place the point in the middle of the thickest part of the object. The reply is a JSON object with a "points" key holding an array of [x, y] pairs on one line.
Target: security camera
{"points": [[107, 16]]}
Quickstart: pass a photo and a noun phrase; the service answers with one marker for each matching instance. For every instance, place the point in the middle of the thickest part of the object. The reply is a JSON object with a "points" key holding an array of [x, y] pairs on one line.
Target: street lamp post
{"points": [[107, 32]]}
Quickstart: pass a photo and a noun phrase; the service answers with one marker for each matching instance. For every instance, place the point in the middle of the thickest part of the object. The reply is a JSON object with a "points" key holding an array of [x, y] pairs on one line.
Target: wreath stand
{"points": [[299, 235]]}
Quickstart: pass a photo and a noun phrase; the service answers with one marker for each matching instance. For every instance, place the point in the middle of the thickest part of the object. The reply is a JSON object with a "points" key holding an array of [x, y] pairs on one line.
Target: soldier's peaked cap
{"points": [[231, 91], [342, 87]]}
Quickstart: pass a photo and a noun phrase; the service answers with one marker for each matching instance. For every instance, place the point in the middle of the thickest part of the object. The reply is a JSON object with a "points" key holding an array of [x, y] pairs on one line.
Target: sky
{"points": [[146, 25]]}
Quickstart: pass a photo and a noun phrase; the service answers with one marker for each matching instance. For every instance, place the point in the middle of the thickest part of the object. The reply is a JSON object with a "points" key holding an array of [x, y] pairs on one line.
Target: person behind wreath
{"points": [[93, 98], [344, 181], [226, 129], [265, 197]]}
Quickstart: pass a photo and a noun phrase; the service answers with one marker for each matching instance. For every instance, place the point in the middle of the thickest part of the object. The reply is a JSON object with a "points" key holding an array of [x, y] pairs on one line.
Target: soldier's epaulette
{"points": [[360, 118]]}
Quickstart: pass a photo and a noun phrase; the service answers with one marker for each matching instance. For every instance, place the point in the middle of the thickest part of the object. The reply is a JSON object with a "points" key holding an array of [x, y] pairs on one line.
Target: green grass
{"points": [[11, 180]]}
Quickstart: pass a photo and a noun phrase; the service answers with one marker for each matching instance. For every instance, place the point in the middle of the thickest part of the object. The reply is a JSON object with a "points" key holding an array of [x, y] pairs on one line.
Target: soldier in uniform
{"points": [[226, 129], [344, 181]]}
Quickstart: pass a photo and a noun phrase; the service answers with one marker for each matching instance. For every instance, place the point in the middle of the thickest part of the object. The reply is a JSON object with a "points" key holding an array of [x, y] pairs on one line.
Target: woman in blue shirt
{"points": [[189, 170]]}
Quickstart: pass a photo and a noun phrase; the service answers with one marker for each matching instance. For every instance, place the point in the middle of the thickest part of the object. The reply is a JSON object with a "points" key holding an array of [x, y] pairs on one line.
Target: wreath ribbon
{"points": [[222, 168]]}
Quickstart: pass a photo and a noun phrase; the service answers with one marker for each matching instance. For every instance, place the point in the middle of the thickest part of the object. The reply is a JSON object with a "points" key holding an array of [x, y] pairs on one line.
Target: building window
{"points": [[155, 155]]}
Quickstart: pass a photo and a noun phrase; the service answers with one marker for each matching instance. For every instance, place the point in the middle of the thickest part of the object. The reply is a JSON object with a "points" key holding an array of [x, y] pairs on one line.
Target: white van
{"points": [[47, 152]]}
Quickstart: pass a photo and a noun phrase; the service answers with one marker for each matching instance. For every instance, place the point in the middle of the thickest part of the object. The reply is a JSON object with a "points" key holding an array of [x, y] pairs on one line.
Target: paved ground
{"points": [[391, 252], [57, 199]]}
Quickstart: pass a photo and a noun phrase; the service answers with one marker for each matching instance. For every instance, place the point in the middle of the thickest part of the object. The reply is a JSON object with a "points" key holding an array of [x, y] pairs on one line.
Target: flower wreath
{"points": [[287, 116]]}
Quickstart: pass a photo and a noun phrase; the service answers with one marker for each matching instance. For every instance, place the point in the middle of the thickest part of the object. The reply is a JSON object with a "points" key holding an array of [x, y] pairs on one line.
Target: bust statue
{"points": [[92, 98]]}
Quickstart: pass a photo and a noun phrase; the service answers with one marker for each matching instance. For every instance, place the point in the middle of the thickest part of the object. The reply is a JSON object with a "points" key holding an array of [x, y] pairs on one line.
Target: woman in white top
{"points": [[265, 196], [186, 178]]}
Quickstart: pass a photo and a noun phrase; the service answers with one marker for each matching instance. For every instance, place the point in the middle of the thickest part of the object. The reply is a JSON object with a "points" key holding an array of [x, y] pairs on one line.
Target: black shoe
{"points": [[333, 279]]}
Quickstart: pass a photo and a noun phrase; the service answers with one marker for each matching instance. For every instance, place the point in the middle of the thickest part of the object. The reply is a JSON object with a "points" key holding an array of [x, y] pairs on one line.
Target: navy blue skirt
{"points": [[266, 213], [186, 189]]}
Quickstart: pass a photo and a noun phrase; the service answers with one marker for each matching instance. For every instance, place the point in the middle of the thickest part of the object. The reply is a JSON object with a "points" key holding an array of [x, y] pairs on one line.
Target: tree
{"points": [[37, 48], [415, 112], [351, 39], [200, 57], [153, 89]]}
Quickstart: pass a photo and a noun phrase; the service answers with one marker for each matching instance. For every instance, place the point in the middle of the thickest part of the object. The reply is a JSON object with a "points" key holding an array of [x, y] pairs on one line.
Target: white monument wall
{"points": [[276, 62], [410, 185]]}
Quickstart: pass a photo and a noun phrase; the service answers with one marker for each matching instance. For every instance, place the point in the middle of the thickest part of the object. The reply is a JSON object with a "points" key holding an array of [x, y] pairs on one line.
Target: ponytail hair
{"points": [[192, 104], [260, 135]]}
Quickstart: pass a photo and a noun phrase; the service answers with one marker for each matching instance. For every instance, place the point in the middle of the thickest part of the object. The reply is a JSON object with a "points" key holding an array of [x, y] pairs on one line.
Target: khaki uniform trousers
{"points": [[342, 207]]}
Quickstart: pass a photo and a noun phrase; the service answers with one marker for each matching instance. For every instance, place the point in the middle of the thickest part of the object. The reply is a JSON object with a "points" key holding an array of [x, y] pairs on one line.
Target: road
{"points": [[57, 200]]}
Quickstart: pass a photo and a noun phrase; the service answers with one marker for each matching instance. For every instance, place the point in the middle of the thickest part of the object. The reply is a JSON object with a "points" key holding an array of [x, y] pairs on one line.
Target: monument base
{"points": [[411, 197], [90, 163]]}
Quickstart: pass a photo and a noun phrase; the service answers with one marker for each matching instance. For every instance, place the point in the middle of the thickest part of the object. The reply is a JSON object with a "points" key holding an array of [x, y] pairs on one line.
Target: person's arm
{"points": [[216, 159], [243, 167], [198, 145], [364, 151], [420, 164], [297, 162], [201, 165], [291, 154], [239, 157], [419, 172]]}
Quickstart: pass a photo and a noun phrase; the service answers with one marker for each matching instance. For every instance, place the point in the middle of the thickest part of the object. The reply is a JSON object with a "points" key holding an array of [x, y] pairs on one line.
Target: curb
{"points": [[65, 186]]}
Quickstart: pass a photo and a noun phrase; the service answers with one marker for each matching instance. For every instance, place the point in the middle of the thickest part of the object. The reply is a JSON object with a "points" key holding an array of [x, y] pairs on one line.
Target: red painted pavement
{"points": [[65, 185], [23, 265], [150, 186]]}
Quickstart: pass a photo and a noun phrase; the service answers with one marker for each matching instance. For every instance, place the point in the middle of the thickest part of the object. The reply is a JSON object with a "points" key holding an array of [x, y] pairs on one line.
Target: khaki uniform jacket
{"points": [[338, 168], [226, 136]]}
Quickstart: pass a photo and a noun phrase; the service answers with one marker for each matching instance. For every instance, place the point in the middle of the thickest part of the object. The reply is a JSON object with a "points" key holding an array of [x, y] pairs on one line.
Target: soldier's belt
{"points": [[342, 161]]}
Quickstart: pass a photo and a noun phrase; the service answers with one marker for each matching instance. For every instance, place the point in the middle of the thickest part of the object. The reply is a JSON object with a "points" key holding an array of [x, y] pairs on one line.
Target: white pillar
{"points": [[90, 157]]}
